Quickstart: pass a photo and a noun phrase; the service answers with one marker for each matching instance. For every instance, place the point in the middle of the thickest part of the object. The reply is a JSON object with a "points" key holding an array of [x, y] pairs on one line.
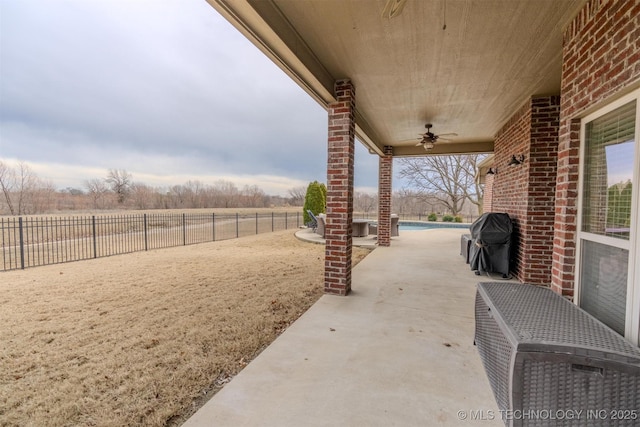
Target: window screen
{"points": [[608, 173], [603, 281]]}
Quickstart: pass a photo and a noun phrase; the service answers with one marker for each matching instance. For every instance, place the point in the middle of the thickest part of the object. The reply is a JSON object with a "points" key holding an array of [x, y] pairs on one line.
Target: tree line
{"points": [[24, 193], [437, 184]]}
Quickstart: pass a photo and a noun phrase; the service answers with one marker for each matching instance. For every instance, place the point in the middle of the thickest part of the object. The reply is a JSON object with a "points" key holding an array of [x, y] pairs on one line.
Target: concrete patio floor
{"points": [[398, 351]]}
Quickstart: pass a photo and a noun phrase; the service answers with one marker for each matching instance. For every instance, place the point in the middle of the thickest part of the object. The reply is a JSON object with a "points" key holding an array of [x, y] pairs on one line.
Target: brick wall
{"points": [[487, 199], [385, 172], [511, 182], [338, 229], [527, 191], [542, 169], [601, 58]]}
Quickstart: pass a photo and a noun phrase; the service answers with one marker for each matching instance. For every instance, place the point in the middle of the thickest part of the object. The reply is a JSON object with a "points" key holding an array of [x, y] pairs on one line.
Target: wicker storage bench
{"points": [[551, 363]]}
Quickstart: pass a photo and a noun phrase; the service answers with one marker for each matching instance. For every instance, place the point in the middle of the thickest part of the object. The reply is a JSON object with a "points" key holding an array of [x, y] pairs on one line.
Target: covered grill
{"points": [[490, 249]]}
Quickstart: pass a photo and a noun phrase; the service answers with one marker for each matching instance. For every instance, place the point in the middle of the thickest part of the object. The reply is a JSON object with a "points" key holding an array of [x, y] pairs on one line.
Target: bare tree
{"points": [[194, 193], [142, 195], [18, 188], [447, 179], [119, 180], [226, 194], [178, 196], [7, 182], [365, 202], [26, 185], [23, 191], [254, 197], [41, 197], [407, 201], [97, 189], [297, 194]]}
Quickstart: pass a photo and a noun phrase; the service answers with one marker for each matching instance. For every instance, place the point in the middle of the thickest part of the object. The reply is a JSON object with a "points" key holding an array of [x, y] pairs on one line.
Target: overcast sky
{"points": [[165, 89]]}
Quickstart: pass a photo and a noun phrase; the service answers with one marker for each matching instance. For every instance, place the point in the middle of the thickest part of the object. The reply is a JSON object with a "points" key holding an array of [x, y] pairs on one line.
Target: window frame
{"points": [[632, 245]]}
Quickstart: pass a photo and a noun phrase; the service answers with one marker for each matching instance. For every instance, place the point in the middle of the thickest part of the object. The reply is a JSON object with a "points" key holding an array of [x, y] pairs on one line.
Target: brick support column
{"points": [[487, 199], [385, 174], [527, 192], [338, 231], [566, 210]]}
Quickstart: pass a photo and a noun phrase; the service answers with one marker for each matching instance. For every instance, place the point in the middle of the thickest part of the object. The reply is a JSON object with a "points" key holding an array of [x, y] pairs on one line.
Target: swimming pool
{"points": [[415, 225]]}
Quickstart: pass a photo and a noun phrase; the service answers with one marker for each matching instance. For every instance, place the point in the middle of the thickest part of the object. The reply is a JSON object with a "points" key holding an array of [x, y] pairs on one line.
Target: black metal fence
{"points": [[36, 241]]}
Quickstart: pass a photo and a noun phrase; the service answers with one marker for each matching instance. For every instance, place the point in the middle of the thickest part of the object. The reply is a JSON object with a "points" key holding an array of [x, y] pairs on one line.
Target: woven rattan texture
{"points": [[495, 353], [543, 355], [536, 314], [579, 399]]}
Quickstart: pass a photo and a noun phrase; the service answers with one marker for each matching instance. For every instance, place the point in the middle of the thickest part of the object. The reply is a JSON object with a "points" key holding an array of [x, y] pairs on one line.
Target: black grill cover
{"points": [[491, 243]]}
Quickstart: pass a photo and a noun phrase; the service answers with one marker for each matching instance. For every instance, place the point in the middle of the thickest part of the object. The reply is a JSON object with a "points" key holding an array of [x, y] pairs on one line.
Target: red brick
{"points": [[341, 147], [521, 191], [600, 45]]}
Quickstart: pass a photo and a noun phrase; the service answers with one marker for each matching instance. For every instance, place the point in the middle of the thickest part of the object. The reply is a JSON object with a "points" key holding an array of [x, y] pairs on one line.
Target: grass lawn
{"points": [[146, 338]]}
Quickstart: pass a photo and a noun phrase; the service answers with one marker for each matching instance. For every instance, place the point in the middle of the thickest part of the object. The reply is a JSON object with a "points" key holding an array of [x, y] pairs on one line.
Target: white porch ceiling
{"points": [[407, 70]]}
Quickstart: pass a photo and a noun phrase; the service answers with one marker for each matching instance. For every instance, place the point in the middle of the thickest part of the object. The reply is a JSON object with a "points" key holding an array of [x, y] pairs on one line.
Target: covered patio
{"points": [[399, 351], [400, 75], [550, 87]]}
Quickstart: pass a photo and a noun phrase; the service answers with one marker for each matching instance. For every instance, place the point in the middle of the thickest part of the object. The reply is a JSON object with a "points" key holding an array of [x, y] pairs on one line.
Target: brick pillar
{"points": [[527, 192], [565, 226], [338, 230], [538, 231], [385, 174], [487, 199]]}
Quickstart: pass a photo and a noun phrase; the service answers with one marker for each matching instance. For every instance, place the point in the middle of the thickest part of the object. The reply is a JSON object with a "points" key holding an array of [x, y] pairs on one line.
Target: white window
{"points": [[608, 246]]}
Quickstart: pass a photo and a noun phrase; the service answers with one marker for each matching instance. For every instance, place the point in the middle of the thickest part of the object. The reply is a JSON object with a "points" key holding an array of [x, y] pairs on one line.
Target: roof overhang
{"points": [[408, 68]]}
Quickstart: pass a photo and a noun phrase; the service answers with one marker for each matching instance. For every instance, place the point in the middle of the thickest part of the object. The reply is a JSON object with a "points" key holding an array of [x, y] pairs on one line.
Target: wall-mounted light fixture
{"points": [[492, 171], [516, 160]]}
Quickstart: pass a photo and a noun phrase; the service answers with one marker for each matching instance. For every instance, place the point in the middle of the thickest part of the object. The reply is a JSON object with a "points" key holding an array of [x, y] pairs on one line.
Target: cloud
{"points": [[159, 88]]}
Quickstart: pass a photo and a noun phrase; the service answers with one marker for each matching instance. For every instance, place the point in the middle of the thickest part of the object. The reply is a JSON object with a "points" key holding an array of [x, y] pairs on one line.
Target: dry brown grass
{"points": [[143, 339]]}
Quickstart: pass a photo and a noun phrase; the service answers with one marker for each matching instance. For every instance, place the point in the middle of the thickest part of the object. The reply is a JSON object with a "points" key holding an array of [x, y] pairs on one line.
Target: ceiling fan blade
{"points": [[444, 140], [449, 134], [419, 144]]}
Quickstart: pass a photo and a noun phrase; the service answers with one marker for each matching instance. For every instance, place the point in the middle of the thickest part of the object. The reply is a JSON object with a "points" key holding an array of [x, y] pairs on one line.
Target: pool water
{"points": [[409, 225]]}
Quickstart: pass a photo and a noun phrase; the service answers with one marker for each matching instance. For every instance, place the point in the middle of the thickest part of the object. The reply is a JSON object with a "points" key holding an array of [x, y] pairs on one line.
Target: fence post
{"points": [[256, 222], [237, 226], [144, 222], [286, 223], [95, 240], [184, 230], [272, 225], [213, 225], [20, 233]]}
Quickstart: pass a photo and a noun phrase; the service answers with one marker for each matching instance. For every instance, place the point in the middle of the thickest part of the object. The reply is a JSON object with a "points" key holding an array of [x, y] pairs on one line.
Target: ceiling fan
{"points": [[429, 138]]}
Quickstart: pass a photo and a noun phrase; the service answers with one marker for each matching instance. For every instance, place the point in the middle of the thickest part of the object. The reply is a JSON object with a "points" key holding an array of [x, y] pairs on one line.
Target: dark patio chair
{"points": [[313, 224]]}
